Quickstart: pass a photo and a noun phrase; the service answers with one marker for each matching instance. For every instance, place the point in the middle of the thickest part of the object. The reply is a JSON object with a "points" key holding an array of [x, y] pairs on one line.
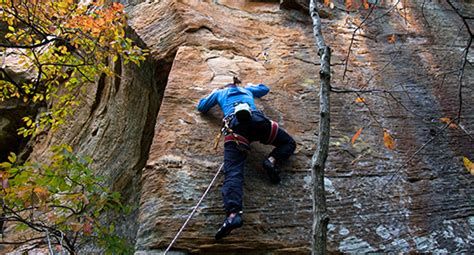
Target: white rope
{"points": [[194, 210], [49, 242], [61, 243]]}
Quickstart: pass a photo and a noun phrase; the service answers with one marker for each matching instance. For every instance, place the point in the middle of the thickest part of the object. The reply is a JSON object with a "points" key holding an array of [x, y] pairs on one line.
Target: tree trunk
{"points": [[320, 216]]}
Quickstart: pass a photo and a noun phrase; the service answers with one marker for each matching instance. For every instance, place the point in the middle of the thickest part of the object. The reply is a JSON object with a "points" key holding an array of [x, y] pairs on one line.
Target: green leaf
{"points": [[12, 157], [5, 165], [21, 226]]}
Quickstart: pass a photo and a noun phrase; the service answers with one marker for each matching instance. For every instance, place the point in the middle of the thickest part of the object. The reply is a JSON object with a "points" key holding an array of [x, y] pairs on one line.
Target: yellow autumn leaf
{"points": [[449, 121], [357, 134], [391, 38], [388, 140], [76, 227], [365, 3], [445, 120], [42, 193], [469, 165], [348, 4], [360, 100]]}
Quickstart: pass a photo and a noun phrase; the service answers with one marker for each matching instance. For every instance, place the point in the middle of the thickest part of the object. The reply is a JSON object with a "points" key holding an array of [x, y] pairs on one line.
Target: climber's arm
{"points": [[205, 104], [259, 90]]}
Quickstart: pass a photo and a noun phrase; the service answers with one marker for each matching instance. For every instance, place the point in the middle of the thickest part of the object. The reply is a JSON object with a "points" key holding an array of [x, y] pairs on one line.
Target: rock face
{"points": [[379, 200], [370, 210], [12, 110]]}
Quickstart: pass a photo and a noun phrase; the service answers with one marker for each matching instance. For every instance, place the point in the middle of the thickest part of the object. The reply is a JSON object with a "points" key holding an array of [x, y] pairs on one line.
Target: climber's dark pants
{"points": [[258, 129]]}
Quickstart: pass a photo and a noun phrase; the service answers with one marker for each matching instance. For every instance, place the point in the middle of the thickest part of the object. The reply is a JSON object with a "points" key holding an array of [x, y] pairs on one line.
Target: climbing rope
{"points": [[49, 242], [194, 210]]}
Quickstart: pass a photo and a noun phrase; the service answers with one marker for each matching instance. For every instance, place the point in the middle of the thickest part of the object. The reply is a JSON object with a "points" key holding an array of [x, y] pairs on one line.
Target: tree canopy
{"points": [[65, 44]]}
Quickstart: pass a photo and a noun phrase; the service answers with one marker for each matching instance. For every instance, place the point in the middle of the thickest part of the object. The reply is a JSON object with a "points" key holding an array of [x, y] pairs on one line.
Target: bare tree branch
{"points": [[423, 13], [23, 241], [39, 227], [32, 46], [352, 41], [351, 90], [321, 218], [363, 23], [465, 55], [423, 146]]}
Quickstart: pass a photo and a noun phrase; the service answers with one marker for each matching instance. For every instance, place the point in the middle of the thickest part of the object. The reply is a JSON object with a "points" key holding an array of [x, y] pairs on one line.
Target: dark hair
{"points": [[236, 80]]}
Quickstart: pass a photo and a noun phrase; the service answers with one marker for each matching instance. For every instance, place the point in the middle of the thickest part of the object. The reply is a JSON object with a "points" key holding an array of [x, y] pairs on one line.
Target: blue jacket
{"points": [[228, 97]]}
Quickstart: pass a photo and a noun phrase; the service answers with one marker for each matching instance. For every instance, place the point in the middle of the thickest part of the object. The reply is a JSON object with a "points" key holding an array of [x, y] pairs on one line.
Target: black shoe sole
{"points": [[225, 231], [272, 174]]}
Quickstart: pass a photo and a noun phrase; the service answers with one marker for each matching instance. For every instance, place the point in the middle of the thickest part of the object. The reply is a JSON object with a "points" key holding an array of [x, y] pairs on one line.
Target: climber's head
{"points": [[235, 82]]}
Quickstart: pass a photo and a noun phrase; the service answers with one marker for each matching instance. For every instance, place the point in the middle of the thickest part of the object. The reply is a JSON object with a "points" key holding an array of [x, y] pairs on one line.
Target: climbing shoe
{"points": [[272, 171], [230, 223]]}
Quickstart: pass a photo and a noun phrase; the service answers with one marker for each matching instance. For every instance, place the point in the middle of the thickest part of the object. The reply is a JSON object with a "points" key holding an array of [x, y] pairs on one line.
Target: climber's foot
{"points": [[272, 171], [233, 221]]}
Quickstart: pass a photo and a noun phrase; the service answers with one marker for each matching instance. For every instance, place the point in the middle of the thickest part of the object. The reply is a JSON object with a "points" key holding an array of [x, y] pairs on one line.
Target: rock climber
{"points": [[243, 124]]}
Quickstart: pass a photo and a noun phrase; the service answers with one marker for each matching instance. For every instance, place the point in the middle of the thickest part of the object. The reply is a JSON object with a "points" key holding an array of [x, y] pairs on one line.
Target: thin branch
{"points": [[39, 227], [371, 113], [398, 52], [360, 26], [66, 65], [352, 40], [84, 75], [21, 242], [10, 79], [30, 25], [404, 107], [351, 90], [423, 13], [464, 61], [416, 153], [33, 46], [40, 73], [384, 14]]}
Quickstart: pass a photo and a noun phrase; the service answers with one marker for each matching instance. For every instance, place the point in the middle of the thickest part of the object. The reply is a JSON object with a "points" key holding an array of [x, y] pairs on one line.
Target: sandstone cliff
{"points": [[145, 134]]}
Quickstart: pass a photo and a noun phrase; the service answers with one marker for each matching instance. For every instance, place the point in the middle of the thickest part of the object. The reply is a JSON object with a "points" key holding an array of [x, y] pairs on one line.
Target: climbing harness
{"points": [[273, 132], [194, 210], [240, 140], [230, 135], [225, 129]]}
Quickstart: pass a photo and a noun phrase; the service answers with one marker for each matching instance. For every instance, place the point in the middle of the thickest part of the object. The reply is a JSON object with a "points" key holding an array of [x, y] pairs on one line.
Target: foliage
{"points": [[356, 135], [349, 4], [62, 200], [469, 165], [66, 45]]}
